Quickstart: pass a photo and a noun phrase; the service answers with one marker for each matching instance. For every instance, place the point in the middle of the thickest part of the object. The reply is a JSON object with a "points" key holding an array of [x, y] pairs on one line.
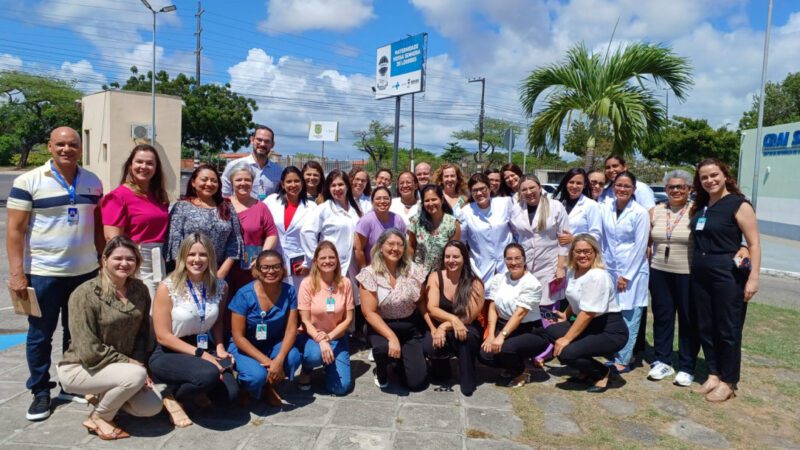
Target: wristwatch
{"points": [[504, 333], [199, 352]]}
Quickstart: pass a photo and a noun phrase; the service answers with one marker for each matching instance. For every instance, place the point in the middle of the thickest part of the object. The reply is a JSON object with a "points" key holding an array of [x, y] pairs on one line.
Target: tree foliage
{"points": [[603, 90], [454, 153], [214, 118], [781, 104], [687, 141], [373, 141], [579, 134], [493, 130], [33, 106]]}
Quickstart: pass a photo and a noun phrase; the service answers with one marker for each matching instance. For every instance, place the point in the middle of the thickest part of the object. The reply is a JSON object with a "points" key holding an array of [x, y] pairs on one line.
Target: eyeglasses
{"points": [[479, 190], [270, 268], [583, 251], [596, 183], [677, 187]]}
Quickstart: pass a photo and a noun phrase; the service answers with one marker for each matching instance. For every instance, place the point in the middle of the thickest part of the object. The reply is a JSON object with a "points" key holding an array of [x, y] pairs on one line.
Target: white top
{"points": [[593, 292], [289, 238], [186, 315], [399, 208], [487, 232], [508, 295], [643, 195], [365, 204], [586, 217], [625, 250], [541, 247], [267, 178], [330, 222]]}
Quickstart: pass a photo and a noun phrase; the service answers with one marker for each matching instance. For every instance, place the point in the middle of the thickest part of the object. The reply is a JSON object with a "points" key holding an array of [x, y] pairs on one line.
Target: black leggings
{"points": [[605, 335], [670, 293], [412, 358], [187, 375], [466, 351], [527, 341]]}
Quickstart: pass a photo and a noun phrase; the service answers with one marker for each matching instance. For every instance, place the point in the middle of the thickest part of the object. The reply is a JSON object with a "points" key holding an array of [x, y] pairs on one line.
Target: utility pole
{"points": [[198, 54], [396, 135], [760, 130], [480, 120], [198, 49], [411, 151]]}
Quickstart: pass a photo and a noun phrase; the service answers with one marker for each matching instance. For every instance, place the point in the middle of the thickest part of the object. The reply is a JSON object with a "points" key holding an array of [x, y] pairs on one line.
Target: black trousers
{"points": [[412, 357], [641, 339], [466, 351], [670, 294], [187, 375], [527, 341], [718, 296], [605, 335]]}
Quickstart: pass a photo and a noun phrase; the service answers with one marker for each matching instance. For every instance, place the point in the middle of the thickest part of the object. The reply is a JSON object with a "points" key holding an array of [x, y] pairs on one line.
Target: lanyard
{"points": [[671, 225], [63, 183], [201, 307]]}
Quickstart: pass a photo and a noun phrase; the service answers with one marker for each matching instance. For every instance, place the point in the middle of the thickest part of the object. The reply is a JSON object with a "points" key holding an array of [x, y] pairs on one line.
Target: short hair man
{"points": [[53, 209], [268, 175], [423, 173]]}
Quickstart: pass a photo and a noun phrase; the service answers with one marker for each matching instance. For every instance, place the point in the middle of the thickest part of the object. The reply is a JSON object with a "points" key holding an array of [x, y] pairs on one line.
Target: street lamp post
{"points": [[166, 9]]}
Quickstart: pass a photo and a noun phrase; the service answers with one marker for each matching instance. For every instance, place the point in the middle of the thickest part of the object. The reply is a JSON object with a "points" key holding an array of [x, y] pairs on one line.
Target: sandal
{"points": [[176, 413], [271, 396], [116, 433]]}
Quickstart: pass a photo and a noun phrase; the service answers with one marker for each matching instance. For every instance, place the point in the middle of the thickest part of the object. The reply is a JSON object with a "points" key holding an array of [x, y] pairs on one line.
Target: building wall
{"points": [[107, 120], [778, 203]]}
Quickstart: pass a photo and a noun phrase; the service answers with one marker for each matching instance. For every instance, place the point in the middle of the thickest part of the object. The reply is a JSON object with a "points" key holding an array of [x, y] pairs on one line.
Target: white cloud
{"points": [[10, 62], [83, 74], [303, 15]]}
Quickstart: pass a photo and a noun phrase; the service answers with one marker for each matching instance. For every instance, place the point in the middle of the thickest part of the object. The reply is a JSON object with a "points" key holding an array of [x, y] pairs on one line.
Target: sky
{"points": [[305, 60]]}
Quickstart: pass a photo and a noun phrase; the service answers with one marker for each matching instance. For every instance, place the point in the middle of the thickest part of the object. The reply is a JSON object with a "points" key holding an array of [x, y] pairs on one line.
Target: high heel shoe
{"points": [[707, 387], [721, 393], [116, 433]]}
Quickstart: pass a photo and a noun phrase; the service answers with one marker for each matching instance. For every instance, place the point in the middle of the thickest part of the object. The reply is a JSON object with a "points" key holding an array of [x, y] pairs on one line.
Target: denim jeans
{"points": [[337, 375], [252, 375], [53, 296], [631, 318]]}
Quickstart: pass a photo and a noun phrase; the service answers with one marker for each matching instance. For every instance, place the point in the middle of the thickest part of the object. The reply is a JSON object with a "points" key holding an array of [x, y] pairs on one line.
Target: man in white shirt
{"points": [[643, 195], [268, 174]]}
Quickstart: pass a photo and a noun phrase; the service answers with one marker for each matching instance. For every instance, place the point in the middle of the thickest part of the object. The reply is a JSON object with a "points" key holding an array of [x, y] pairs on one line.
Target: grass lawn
{"points": [[766, 413]]}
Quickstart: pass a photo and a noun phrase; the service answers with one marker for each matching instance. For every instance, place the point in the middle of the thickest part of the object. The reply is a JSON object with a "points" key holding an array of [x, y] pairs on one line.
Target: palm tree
{"points": [[607, 92]]}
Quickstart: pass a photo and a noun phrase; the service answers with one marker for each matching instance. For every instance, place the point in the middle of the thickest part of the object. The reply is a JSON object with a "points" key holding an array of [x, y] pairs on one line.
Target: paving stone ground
{"points": [[365, 419]]}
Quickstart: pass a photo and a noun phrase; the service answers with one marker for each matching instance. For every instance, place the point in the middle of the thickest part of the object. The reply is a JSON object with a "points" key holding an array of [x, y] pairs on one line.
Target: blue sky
{"points": [[314, 59]]}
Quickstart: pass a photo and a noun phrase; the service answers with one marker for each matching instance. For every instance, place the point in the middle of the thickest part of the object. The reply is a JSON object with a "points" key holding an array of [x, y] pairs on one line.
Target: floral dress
{"points": [[400, 301], [430, 244]]}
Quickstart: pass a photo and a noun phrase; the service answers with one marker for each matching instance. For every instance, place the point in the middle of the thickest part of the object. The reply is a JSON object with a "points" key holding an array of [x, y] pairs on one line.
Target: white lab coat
{"points": [[330, 222], [625, 251], [541, 247], [399, 208], [586, 217], [643, 195], [487, 233], [365, 204], [289, 238]]}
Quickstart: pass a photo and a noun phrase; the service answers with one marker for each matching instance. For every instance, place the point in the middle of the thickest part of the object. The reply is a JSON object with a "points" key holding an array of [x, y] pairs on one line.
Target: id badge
{"points": [[261, 332], [72, 216], [202, 341], [330, 304], [701, 223], [262, 196]]}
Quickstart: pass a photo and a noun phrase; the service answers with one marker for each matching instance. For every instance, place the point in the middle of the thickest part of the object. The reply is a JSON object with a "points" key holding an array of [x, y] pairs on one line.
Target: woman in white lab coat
{"points": [[334, 220], [290, 209], [485, 227], [575, 193], [626, 229]]}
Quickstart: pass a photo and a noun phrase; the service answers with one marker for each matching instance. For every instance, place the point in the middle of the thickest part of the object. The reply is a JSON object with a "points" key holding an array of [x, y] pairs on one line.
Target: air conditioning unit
{"points": [[141, 131]]}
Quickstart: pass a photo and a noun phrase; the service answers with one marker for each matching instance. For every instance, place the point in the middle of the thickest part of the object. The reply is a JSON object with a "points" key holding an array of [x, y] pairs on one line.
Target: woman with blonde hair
{"points": [[598, 329], [325, 302], [453, 183]]}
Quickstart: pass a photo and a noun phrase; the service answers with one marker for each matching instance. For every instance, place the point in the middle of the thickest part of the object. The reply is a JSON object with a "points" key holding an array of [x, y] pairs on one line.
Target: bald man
{"points": [[53, 240], [423, 173]]}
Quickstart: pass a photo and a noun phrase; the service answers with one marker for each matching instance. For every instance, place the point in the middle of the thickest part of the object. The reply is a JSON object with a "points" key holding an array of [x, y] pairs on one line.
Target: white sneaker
{"points": [[683, 379], [377, 381], [371, 357], [659, 371], [67, 397]]}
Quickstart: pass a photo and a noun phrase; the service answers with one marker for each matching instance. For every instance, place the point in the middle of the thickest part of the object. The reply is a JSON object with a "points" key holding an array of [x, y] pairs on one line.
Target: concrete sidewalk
{"points": [[780, 256]]}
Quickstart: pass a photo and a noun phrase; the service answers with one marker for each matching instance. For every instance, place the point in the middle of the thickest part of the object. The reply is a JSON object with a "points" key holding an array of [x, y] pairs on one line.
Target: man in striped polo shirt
{"points": [[53, 239]]}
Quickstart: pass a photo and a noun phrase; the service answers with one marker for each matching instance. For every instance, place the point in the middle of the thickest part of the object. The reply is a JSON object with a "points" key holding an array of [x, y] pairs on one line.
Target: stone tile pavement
{"points": [[365, 419]]}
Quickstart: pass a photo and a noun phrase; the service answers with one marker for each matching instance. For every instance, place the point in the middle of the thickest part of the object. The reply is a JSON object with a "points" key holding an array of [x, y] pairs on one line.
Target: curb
{"points": [[786, 274]]}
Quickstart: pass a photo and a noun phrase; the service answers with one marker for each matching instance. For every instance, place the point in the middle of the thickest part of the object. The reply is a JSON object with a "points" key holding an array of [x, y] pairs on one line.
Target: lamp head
{"points": [[147, 5], [169, 8]]}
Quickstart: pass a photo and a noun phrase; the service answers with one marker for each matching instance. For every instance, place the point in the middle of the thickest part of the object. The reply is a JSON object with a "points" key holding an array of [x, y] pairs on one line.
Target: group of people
{"points": [[262, 274]]}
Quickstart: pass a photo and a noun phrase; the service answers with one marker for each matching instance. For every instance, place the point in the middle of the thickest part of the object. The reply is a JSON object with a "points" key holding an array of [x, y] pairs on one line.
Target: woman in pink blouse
{"points": [[390, 293], [138, 209]]}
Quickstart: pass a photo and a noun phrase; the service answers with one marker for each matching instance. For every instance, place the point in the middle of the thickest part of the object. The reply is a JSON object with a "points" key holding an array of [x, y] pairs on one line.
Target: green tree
{"points": [[454, 153], [603, 90], [33, 106], [373, 141], [214, 118], [579, 134], [781, 104], [493, 130], [686, 141]]}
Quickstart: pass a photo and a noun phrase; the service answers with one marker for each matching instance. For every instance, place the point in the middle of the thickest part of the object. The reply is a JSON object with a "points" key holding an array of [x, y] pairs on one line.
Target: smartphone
{"points": [[225, 363]]}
